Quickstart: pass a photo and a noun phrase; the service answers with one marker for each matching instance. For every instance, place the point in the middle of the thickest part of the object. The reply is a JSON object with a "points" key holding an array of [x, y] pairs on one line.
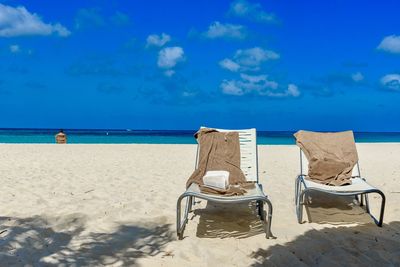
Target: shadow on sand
{"points": [[324, 208], [41, 241], [365, 245], [226, 220]]}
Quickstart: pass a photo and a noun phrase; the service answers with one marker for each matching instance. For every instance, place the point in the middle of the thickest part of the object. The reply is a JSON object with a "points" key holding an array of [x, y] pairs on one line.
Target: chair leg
{"points": [[180, 224], [297, 190], [380, 222], [366, 203], [296, 185], [300, 212], [362, 200], [382, 210], [260, 209], [190, 204], [178, 218], [301, 202], [268, 221]]}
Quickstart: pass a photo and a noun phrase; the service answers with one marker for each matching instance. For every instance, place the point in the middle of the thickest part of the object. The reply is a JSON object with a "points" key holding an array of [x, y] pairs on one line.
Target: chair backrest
{"points": [[304, 166], [248, 152]]}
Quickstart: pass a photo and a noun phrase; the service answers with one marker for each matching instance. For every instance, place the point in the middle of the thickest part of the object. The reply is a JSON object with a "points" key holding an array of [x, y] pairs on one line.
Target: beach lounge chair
{"points": [[249, 166], [359, 188]]}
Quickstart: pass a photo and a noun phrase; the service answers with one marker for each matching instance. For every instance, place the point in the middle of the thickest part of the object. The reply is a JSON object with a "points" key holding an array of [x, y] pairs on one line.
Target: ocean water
{"points": [[158, 137]]}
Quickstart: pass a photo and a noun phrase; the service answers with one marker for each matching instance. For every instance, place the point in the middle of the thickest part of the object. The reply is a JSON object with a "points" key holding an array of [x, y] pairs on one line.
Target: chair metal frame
{"points": [[300, 194], [249, 166]]}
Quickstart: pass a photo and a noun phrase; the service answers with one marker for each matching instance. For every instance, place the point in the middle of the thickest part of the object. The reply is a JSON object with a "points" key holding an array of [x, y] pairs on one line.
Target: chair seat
{"points": [[357, 185], [255, 193]]}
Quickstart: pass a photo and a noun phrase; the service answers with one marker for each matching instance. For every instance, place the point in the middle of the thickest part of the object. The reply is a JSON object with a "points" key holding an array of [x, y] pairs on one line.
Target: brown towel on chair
{"points": [[219, 151], [331, 156]]}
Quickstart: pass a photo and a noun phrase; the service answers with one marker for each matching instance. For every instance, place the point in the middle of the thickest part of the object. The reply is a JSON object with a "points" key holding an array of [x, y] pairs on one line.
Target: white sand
{"points": [[81, 205]]}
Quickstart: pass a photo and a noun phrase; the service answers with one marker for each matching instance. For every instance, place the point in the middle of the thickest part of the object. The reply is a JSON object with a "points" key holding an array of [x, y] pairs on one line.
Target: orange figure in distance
{"points": [[61, 137]]}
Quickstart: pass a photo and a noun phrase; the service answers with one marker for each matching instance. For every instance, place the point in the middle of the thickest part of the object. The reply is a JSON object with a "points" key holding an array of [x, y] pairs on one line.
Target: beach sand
{"points": [[91, 205]]}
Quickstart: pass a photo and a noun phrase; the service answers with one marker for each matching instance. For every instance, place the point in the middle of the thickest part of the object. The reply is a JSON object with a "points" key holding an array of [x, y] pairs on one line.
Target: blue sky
{"points": [[274, 65]]}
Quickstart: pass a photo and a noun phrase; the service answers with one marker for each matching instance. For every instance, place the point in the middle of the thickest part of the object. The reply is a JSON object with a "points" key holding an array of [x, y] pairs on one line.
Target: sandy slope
{"points": [[78, 205]]}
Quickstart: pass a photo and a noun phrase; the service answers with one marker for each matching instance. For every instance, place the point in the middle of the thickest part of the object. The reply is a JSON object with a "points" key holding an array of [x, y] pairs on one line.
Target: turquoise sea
{"points": [[158, 136]]}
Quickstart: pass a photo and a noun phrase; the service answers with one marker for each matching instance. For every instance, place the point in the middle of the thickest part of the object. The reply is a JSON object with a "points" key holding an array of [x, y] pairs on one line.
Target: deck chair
{"points": [[249, 166], [359, 188]]}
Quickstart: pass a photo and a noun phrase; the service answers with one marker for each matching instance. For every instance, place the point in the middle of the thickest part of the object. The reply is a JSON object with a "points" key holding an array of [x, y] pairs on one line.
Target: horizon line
{"points": [[171, 130]]}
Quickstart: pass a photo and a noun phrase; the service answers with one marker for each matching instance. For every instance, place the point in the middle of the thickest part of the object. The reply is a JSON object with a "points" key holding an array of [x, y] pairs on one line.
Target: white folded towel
{"points": [[216, 179]]}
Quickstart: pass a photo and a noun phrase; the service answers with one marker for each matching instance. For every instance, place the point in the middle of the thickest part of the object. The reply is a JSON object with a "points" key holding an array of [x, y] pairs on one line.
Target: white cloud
{"points": [[229, 65], [390, 44], [293, 90], [357, 77], [231, 88], [15, 48], [60, 30], [255, 12], [169, 73], [257, 84], [248, 59], [189, 94], [168, 57], [220, 30], [253, 57], [18, 21], [253, 78], [391, 82], [158, 40]]}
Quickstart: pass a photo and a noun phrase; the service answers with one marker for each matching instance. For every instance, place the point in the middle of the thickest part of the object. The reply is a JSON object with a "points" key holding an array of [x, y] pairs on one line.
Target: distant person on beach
{"points": [[61, 137]]}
